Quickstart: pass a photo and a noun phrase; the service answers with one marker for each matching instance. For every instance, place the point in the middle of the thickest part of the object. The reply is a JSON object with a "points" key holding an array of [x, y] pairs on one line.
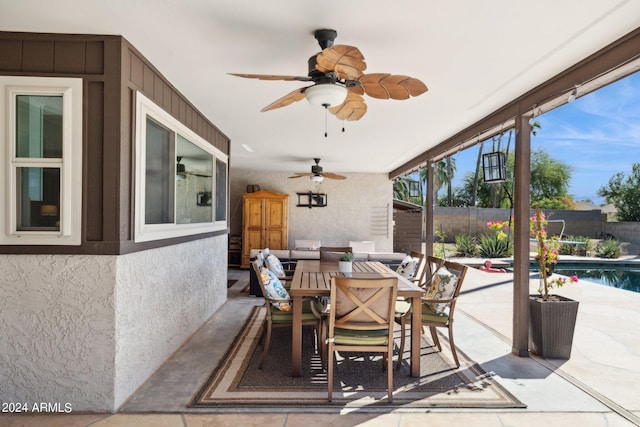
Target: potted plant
{"points": [[345, 263], [552, 318]]}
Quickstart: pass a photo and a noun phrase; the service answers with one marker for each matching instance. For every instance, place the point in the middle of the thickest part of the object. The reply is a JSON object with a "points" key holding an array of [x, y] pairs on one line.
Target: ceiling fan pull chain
{"points": [[343, 126]]}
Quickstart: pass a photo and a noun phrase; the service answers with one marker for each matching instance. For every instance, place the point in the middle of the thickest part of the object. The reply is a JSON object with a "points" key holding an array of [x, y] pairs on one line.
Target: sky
{"points": [[598, 135]]}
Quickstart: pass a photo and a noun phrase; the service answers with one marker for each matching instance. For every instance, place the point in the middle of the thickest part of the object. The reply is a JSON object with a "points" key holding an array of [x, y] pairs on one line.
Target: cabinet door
{"points": [[253, 228], [276, 236]]}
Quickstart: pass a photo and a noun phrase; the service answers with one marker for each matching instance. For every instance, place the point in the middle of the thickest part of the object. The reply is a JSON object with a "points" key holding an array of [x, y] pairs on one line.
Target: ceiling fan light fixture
{"points": [[317, 178], [326, 94]]}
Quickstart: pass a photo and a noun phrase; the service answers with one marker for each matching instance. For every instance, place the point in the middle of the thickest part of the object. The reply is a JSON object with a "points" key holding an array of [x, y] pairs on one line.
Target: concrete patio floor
{"points": [[598, 386]]}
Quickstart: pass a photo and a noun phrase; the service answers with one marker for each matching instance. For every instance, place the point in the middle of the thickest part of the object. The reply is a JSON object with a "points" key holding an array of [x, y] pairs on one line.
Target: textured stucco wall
{"points": [[356, 207], [57, 330], [89, 330], [162, 297]]}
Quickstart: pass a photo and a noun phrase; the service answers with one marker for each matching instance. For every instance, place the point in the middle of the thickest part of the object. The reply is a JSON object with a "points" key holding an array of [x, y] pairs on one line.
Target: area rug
{"points": [[359, 381], [231, 282]]}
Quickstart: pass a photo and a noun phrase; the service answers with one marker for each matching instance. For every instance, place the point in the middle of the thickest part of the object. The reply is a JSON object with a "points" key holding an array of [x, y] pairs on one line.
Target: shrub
{"points": [[491, 246], [466, 245], [608, 249], [581, 250]]}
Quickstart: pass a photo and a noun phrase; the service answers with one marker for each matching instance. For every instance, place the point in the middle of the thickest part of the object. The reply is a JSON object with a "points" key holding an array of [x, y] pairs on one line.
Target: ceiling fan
{"points": [[339, 82], [316, 174], [181, 170]]}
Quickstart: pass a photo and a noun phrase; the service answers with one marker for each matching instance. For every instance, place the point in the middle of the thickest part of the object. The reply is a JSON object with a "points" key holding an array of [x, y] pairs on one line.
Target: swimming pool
{"points": [[618, 276]]}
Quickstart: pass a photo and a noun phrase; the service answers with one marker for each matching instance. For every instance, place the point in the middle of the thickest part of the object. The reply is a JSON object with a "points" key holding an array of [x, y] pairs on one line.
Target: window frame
{"points": [[145, 107], [70, 165]]}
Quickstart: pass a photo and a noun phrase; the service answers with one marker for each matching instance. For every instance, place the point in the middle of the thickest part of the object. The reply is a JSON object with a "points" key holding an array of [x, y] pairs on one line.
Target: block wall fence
{"points": [[451, 222]]}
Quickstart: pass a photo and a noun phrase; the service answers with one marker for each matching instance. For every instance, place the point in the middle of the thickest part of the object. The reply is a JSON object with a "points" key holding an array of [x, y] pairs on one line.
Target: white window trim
{"points": [[70, 166], [145, 107]]}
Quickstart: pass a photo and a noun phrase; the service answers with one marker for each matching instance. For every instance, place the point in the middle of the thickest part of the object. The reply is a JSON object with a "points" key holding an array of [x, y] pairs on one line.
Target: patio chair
{"points": [[333, 253], [279, 308], [438, 306], [361, 320]]}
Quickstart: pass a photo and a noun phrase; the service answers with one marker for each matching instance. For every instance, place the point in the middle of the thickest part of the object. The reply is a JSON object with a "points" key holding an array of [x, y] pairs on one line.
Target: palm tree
{"points": [[444, 172], [401, 189]]}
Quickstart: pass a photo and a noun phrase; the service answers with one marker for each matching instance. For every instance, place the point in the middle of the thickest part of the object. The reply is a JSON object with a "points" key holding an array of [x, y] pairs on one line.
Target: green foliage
{"points": [[623, 194], [549, 178], [493, 247], [440, 251], [580, 250], [608, 249], [549, 185], [347, 256], [466, 245]]}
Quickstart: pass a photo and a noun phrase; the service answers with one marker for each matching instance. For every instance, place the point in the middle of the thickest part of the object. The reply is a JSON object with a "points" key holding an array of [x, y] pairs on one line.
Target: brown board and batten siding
{"points": [[407, 227], [112, 71]]}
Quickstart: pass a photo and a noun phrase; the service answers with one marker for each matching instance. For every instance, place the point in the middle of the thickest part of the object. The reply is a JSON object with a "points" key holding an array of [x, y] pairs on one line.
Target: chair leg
{"points": [[453, 345], [434, 337], [330, 373], [390, 373], [402, 337], [266, 345], [322, 345]]}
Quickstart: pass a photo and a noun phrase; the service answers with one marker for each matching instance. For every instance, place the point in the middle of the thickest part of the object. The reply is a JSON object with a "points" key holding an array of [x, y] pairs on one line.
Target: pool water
{"points": [[617, 276]]}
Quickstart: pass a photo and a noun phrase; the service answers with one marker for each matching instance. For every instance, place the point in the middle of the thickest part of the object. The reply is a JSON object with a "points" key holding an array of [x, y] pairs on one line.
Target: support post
{"points": [[428, 217], [522, 201]]}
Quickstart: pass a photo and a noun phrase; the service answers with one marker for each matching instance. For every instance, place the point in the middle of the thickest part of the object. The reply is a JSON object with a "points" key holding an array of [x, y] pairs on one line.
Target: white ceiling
{"points": [[474, 55]]}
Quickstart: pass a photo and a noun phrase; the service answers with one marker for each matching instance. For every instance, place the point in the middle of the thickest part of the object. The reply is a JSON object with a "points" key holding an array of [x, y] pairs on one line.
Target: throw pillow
{"points": [[274, 289], [407, 267], [274, 264], [443, 286]]}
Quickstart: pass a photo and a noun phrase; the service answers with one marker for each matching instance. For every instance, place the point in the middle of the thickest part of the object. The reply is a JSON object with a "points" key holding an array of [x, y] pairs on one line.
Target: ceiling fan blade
{"points": [[288, 99], [333, 175], [353, 107], [271, 77], [346, 61], [301, 174], [391, 86]]}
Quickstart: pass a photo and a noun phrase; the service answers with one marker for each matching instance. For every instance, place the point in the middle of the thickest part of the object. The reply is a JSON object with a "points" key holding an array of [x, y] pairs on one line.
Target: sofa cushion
{"points": [[296, 254]]}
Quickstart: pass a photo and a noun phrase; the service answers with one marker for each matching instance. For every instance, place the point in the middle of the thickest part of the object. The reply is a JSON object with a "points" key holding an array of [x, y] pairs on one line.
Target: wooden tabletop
{"points": [[313, 278]]}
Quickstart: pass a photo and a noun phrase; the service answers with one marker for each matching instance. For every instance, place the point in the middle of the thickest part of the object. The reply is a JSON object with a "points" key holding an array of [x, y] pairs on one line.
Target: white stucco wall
{"points": [[57, 330], [358, 208], [89, 330], [162, 297]]}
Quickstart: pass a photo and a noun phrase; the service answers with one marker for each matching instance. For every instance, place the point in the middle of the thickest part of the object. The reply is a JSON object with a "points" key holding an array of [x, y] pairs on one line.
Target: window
{"points": [[181, 183], [41, 169]]}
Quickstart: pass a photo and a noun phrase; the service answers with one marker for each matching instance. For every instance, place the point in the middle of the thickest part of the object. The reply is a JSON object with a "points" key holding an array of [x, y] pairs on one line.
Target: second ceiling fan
{"points": [[317, 174], [339, 82]]}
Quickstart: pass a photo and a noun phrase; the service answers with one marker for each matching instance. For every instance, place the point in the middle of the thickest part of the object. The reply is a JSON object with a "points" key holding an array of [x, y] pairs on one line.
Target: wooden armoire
{"points": [[265, 217]]}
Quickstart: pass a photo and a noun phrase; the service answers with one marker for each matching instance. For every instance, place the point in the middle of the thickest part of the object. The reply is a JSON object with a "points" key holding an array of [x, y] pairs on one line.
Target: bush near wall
{"points": [[472, 221]]}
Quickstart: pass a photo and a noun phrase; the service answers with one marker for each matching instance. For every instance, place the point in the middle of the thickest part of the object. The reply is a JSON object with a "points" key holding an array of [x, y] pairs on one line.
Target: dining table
{"points": [[312, 278]]}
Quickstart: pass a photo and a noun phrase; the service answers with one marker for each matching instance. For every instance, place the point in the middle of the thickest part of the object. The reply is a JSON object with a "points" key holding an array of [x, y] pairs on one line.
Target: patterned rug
{"points": [[359, 381]]}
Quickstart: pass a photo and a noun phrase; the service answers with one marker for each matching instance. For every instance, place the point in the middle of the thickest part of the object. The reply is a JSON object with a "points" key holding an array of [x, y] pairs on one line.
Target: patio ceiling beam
{"points": [[615, 61]]}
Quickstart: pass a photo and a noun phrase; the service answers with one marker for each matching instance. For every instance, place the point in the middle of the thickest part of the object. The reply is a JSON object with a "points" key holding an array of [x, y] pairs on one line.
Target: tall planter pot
{"points": [[551, 326]]}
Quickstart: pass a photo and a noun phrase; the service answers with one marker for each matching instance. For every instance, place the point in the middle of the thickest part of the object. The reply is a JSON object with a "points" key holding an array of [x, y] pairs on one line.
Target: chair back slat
{"points": [[421, 267], [359, 303], [333, 253], [431, 265]]}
